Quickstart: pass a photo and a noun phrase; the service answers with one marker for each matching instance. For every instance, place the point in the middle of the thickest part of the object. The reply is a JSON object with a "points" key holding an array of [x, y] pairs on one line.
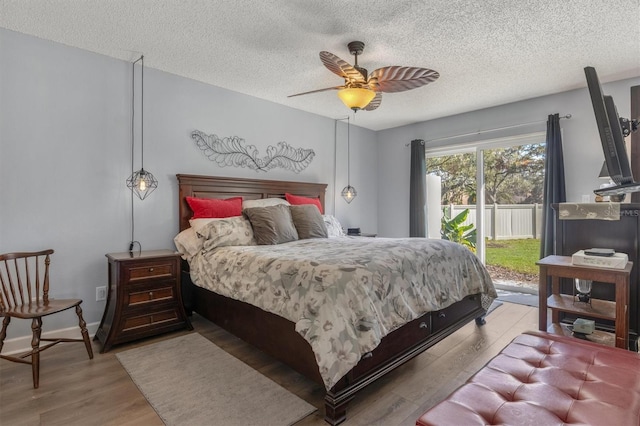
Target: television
{"points": [[612, 130]]}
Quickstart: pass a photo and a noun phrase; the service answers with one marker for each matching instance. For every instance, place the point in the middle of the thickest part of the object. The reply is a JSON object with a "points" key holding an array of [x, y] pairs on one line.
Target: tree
{"points": [[513, 175], [458, 177]]}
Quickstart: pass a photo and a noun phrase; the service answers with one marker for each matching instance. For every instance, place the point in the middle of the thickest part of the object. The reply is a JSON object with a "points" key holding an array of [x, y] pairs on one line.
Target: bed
{"points": [[277, 335]]}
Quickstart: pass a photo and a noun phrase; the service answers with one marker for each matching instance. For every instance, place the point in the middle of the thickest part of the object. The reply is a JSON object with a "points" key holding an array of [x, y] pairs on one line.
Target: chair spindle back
{"points": [[24, 278]]}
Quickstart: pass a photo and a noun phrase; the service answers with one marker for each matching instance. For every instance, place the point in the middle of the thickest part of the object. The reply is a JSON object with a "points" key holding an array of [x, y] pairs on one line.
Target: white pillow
{"points": [[334, 229], [188, 243], [263, 202]]}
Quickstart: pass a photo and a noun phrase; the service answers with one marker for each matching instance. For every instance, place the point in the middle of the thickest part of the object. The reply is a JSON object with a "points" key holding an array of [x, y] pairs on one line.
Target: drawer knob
{"points": [[150, 269], [423, 325], [150, 294], [441, 315]]}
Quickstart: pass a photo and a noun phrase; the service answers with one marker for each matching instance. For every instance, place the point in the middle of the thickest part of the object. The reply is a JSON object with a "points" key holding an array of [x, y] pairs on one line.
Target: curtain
{"points": [[554, 186], [417, 190]]}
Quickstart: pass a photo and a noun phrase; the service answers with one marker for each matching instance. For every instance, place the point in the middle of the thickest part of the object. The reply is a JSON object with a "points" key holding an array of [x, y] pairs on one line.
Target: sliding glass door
{"points": [[499, 182]]}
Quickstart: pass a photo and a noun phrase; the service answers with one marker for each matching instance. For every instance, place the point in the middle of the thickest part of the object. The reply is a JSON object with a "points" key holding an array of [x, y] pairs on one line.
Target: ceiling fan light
{"points": [[355, 97]]}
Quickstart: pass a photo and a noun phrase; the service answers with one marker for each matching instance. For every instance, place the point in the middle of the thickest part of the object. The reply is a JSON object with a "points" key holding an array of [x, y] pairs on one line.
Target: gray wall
{"points": [[65, 154], [582, 149]]}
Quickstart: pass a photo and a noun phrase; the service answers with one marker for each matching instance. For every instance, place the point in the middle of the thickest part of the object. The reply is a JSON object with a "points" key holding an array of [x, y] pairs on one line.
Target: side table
{"points": [[617, 311]]}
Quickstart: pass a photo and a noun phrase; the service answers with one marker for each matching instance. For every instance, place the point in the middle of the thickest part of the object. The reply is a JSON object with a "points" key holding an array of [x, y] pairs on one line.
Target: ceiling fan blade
{"points": [[398, 79], [316, 91], [340, 67], [375, 102]]}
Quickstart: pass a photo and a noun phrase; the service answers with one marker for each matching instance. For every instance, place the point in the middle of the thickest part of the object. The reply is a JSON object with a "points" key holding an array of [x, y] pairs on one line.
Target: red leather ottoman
{"points": [[545, 379]]}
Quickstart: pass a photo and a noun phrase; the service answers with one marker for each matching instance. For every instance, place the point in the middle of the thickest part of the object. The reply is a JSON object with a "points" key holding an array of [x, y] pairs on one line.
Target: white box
{"points": [[617, 261]]}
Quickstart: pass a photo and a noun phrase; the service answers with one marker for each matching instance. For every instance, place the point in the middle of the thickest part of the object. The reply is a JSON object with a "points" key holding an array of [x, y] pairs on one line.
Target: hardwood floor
{"points": [[77, 391]]}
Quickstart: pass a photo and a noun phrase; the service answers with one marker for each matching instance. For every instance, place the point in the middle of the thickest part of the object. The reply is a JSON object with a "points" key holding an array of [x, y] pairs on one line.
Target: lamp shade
{"points": [[142, 183], [349, 193], [356, 98]]}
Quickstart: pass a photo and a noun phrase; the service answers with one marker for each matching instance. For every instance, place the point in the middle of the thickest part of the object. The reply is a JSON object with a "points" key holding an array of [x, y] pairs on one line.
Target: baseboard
{"points": [[23, 344]]}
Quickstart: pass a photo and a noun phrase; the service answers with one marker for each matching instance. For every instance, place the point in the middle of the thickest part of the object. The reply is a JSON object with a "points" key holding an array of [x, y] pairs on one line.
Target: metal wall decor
{"points": [[234, 152]]}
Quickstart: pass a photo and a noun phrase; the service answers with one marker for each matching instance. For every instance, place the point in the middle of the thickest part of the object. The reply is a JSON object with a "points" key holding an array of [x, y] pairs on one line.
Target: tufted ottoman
{"points": [[545, 379]]}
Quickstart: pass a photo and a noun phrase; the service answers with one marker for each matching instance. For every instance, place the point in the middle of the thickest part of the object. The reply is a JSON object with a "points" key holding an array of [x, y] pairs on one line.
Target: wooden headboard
{"points": [[248, 189]]}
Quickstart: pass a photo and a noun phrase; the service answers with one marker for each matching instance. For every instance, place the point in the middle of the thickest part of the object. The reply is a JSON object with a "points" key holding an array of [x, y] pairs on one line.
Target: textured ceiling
{"points": [[488, 52]]}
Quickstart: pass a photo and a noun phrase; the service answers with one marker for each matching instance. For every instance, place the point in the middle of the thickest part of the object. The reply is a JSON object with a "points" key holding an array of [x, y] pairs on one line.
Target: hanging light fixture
{"points": [[356, 98], [349, 192], [142, 183]]}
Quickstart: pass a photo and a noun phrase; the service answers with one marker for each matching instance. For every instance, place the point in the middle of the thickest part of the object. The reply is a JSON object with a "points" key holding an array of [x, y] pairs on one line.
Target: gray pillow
{"points": [[308, 221], [272, 225]]}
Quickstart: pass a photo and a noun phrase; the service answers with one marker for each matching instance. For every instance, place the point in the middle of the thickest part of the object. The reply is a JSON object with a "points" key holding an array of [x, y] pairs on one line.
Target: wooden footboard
{"points": [[277, 337]]}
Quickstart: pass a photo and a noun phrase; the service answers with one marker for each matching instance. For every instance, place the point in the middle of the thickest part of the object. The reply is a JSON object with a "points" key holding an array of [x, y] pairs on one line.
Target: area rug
{"points": [[189, 380]]}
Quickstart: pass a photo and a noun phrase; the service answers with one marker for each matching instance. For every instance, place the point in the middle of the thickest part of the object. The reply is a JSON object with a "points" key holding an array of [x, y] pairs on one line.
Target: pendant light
{"points": [[349, 192], [142, 183]]}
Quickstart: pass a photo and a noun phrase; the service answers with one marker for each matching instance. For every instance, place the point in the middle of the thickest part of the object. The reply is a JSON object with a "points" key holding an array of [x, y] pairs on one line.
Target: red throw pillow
{"points": [[215, 208], [297, 200]]}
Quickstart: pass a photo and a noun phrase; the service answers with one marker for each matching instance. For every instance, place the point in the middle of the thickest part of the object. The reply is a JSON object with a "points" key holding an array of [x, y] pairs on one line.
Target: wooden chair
{"points": [[25, 294]]}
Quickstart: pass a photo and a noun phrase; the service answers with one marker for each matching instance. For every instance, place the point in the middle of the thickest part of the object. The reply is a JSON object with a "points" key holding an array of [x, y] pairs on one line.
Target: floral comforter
{"points": [[345, 294]]}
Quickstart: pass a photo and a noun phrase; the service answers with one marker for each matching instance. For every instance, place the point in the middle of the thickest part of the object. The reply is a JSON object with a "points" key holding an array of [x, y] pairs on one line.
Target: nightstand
{"points": [[144, 297]]}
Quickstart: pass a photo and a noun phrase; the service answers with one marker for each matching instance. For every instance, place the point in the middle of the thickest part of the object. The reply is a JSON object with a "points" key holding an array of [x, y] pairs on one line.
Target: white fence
{"points": [[505, 221]]}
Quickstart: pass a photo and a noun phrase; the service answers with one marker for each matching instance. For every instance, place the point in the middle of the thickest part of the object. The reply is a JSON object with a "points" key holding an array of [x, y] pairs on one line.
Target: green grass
{"points": [[517, 255]]}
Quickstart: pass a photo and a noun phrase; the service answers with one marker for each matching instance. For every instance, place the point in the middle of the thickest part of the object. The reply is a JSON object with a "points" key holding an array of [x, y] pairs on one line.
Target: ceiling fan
{"points": [[364, 91]]}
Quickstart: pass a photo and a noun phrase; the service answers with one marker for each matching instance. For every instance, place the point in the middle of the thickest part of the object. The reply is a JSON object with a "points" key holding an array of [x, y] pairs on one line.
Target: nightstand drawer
{"points": [[151, 295], [149, 271], [150, 320]]}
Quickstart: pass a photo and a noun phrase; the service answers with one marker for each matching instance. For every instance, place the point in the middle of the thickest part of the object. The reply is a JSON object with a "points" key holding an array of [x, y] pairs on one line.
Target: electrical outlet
{"points": [[586, 198], [101, 293]]}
